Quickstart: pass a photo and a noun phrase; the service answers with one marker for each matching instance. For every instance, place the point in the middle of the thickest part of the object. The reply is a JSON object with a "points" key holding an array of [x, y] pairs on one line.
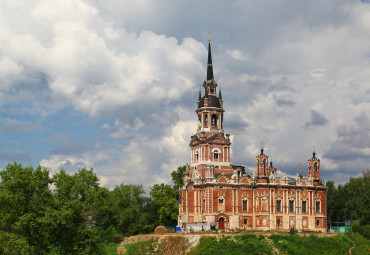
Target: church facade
{"points": [[219, 195]]}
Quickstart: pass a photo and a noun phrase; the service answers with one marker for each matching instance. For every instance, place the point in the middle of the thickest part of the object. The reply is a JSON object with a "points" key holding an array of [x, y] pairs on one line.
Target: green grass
{"points": [[243, 244], [111, 248], [287, 244], [257, 244], [339, 244], [143, 247]]}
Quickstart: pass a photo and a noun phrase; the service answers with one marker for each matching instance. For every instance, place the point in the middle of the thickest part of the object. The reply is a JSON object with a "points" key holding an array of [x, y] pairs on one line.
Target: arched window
{"points": [[245, 205], [205, 119], [315, 170], [214, 120], [291, 205], [318, 206], [278, 205], [196, 155], [304, 206], [215, 155]]}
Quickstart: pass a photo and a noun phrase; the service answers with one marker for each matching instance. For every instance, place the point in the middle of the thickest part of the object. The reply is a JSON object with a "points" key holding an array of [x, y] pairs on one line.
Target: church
{"points": [[218, 195]]}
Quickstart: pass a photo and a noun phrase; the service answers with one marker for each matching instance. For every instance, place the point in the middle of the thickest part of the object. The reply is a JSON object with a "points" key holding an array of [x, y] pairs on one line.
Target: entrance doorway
{"points": [[221, 223]]}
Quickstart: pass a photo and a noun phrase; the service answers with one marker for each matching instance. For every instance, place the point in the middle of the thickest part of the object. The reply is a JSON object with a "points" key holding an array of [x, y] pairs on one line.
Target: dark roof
{"points": [[213, 101]]}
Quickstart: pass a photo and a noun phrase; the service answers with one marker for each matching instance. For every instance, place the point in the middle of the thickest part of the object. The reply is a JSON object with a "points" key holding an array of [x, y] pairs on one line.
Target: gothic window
{"points": [[315, 170], [245, 205], [264, 167], [205, 119], [215, 155], [304, 206], [245, 221], [214, 119], [317, 206], [196, 155], [278, 205], [291, 205], [317, 223]]}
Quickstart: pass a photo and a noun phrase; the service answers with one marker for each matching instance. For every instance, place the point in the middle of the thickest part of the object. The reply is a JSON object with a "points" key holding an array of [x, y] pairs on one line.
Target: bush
{"points": [[363, 230]]}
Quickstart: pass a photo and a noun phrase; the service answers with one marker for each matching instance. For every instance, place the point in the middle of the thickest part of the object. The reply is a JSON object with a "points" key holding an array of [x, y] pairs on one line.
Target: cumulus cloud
{"points": [[133, 76], [68, 163], [317, 119]]}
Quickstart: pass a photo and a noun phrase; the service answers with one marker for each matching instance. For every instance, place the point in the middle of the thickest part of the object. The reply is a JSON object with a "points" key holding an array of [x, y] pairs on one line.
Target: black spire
{"points": [[200, 95], [220, 95], [209, 65]]}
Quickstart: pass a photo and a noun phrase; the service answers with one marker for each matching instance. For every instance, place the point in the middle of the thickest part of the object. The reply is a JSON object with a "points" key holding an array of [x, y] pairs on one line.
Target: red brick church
{"points": [[219, 195]]}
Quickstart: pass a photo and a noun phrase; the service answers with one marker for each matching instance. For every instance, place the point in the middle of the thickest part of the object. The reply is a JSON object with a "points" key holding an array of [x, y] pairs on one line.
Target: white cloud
{"points": [[68, 163], [136, 66]]}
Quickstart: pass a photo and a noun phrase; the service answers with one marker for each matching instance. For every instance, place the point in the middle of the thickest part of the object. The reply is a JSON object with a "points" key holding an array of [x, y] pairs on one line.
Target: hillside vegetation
{"points": [[70, 213], [349, 243]]}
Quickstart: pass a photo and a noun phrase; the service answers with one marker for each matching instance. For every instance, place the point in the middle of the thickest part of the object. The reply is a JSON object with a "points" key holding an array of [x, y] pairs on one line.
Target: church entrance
{"points": [[221, 223]]}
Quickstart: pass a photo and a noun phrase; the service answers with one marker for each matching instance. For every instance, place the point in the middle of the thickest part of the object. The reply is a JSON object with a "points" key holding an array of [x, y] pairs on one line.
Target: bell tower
{"points": [[314, 167], [263, 167], [210, 147]]}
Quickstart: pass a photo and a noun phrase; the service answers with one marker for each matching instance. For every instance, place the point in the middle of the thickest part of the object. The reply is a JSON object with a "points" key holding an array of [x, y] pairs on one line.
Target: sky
{"points": [[113, 84]]}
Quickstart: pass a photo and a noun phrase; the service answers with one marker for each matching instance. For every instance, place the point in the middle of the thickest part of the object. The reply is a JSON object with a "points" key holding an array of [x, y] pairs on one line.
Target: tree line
{"points": [[70, 213], [350, 203], [63, 213]]}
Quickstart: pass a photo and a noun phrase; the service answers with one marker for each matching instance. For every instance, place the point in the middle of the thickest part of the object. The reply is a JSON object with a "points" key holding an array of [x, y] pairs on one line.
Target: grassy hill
{"points": [[250, 243]]}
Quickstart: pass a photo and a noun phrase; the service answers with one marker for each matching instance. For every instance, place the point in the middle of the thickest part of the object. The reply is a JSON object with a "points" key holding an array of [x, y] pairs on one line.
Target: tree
{"points": [[164, 199], [177, 177], [46, 221], [350, 201]]}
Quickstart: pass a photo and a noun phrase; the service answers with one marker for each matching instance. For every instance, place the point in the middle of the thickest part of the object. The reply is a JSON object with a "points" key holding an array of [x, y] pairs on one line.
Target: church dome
{"points": [[213, 101]]}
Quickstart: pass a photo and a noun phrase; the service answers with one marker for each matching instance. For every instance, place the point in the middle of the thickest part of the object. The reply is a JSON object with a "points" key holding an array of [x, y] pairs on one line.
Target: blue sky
{"points": [[113, 84]]}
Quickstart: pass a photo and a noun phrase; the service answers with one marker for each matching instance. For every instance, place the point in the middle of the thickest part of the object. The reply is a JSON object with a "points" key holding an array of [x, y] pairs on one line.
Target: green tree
{"points": [[350, 201], [177, 177], [46, 220], [164, 199]]}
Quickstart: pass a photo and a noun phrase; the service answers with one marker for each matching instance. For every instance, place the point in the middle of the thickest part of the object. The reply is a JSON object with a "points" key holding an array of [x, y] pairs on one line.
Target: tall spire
{"points": [[209, 64]]}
